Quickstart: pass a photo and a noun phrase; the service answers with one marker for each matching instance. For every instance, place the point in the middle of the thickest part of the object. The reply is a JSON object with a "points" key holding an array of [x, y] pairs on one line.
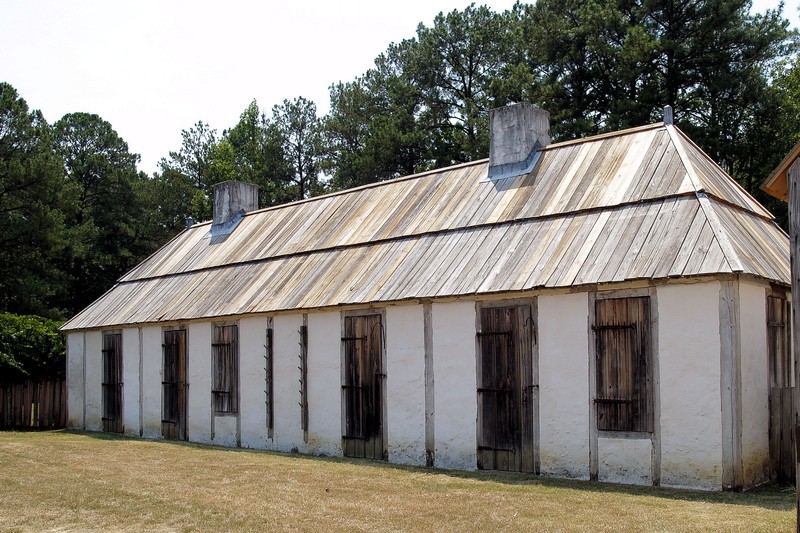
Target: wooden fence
{"points": [[33, 405]]}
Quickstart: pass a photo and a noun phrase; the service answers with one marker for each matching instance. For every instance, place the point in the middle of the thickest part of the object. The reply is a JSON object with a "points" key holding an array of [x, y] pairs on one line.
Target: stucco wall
{"points": [[755, 385], [564, 385], [455, 397], [75, 388], [252, 382], [198, 418], [624, 460], [93, 376], [286, 344], [689, 363], [405, 383], [152, 376], [324, 384], [130, 381]]}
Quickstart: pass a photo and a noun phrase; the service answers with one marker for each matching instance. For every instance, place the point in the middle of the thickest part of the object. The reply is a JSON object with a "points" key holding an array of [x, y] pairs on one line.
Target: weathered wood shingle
{"points": [[639, 204]]}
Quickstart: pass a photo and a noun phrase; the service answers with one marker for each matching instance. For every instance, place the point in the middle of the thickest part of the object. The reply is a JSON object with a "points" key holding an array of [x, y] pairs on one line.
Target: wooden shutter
{"points": [[505, 389], [624, 378], [173, 385], [225, 350], [112, 382], [362, 387]]}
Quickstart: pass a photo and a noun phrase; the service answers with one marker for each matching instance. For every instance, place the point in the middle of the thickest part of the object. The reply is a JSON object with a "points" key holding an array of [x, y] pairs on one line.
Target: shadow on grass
{"points": [[771, 497]]}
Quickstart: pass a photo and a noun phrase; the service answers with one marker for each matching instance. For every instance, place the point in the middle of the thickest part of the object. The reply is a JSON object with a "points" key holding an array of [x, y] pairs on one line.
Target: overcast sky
{"points": [[153, 68]]}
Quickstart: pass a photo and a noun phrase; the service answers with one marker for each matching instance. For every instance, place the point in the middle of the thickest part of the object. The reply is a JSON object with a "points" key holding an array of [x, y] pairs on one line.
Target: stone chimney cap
{"points": [[517, 133], [232, 199]]}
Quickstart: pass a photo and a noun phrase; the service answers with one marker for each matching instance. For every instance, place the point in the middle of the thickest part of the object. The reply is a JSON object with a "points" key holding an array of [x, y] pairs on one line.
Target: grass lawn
{"points": [[65, 481]]}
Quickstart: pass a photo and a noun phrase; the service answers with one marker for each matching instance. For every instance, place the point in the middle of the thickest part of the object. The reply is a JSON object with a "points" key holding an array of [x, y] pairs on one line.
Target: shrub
{"points": [[31, 347]]}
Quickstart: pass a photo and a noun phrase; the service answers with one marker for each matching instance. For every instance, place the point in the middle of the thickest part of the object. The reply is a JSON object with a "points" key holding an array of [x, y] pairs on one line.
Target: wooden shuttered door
{"points": [[505, 389], [624, 398], [225, 366], [781, 387], [173, 396], [112, 382], [362, 387]]}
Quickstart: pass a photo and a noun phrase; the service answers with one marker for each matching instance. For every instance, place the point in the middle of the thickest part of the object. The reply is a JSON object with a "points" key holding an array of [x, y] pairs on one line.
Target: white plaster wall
{"points": [[455, 375], [624, 461], [564, 408], [198, 419], [75, 384], [405, 383], [224, 430], [252, 382], [130, 381], [286, 343], [93, 375], [324, 384], [152, 376], [755, 384], [689, 363]]}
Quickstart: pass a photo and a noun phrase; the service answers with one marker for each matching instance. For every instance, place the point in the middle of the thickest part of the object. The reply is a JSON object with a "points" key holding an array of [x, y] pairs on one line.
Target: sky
{"points": [[155, 67]]}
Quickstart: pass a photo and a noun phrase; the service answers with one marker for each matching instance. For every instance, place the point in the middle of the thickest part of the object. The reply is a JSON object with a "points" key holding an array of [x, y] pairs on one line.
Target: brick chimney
{"points": [[517, 133], [232, 199]]}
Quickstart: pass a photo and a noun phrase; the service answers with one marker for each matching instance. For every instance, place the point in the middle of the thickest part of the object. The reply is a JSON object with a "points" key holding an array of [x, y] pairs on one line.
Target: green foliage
{"points": [[31, 347], [297, 128], [106, 236], [31, 224]]}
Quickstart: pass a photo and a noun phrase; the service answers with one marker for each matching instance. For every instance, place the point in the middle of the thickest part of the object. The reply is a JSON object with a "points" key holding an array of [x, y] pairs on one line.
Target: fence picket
{"points": [[33, 405]]}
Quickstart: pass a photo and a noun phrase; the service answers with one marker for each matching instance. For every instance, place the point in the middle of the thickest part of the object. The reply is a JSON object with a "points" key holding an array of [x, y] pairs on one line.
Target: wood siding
{"points": [[781, 387]]}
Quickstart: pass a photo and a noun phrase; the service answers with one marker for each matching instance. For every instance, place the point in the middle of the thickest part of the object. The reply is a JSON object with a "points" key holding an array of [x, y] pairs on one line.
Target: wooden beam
{"points": [[793, 174]]}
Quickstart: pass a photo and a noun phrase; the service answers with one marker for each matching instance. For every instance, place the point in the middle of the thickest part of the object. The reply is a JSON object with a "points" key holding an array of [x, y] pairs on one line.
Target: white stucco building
{"points": [[610, 308]]}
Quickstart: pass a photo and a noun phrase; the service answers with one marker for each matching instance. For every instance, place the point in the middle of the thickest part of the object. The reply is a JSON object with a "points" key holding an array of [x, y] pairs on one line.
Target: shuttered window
{"points": [[624, 395], [112, 381], [225, 367]]}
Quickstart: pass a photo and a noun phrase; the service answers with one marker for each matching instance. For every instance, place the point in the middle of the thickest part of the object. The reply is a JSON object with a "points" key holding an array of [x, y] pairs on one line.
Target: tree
{"points": [[194, 157], [345, 133], [456, 61], [297, 125], [252, 151], [105, 238], [31, 223]]}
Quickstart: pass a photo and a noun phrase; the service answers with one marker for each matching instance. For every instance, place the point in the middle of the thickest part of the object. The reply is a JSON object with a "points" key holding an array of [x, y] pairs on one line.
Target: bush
{"points": [[31, 347]]}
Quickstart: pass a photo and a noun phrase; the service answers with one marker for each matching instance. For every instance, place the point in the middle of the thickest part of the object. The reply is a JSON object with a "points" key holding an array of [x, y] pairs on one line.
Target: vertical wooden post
{"points": [[793, 175]]}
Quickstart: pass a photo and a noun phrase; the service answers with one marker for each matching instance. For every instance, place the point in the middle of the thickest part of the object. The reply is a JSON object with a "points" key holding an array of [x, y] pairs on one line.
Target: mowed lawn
{"points": [[65, 481]]}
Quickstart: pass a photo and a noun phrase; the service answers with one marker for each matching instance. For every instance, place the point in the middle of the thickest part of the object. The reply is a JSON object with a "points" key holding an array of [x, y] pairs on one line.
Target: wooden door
{"points": [[173, 399], [362, 388], [112, 382], [506, 389], [781, 374]]}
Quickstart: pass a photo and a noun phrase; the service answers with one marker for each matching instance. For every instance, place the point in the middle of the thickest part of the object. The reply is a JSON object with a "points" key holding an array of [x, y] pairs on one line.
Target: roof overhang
{"points": [[777, 184]]}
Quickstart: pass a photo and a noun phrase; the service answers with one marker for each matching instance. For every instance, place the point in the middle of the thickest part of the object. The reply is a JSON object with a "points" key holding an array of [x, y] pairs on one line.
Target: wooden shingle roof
{"points": [[638, 204]]}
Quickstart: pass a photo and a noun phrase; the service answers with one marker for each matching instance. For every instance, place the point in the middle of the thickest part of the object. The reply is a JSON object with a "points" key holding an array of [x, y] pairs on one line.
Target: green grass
{"points": [[66, 481]]}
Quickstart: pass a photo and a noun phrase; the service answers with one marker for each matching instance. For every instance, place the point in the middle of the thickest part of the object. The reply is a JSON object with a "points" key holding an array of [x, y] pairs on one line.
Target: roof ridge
{"points": [[602, 136]]}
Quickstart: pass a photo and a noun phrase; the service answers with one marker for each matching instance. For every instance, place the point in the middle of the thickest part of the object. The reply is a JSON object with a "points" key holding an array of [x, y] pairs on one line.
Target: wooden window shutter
{"points": [[225, 381], [623, 373]]}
